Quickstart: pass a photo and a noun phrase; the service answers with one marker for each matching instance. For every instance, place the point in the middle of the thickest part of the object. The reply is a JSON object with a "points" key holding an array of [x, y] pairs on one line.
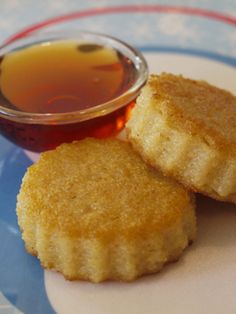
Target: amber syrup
{"points": [[61, 77]]}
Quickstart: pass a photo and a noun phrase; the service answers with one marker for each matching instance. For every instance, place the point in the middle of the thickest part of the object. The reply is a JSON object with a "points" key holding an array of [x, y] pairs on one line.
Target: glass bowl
{"points": [[42, 131]]}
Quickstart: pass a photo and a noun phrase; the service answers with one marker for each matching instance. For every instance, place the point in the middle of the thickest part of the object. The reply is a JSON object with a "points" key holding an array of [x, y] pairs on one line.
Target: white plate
{"points": [[204, 279]]}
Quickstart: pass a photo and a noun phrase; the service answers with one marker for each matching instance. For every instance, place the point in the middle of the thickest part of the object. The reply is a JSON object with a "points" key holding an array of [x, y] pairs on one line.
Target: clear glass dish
{"points": [[42, 131]]}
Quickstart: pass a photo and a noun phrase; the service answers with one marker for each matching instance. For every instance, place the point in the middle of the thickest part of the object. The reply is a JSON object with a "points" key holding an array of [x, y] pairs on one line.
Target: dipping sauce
{"points": [[63, 76]]}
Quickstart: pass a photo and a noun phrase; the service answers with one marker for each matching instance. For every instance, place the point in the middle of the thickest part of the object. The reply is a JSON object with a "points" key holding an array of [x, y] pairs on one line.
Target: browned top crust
{"points": [[100, 188], [197, 107]]}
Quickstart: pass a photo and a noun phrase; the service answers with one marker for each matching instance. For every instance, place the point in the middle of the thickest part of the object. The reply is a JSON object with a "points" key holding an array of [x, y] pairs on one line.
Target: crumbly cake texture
{"points": [[93, 210], [187, 129]]}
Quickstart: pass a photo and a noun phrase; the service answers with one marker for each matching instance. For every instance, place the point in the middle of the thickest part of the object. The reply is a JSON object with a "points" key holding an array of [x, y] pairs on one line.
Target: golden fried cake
{"points": [[187, 129], [93, 210]]}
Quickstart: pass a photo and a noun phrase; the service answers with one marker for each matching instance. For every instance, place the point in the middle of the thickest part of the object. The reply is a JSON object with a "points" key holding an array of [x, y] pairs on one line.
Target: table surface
{"points": [[193, 37], [183, 23]]}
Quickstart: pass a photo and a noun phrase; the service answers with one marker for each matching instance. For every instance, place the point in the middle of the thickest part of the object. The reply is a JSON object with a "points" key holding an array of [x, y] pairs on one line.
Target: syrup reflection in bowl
{"points": [[62, 86]]}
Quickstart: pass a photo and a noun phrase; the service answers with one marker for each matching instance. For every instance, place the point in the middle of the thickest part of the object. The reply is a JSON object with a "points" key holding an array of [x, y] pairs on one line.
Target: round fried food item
{"points": [[93, 210], [187, 129]]}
